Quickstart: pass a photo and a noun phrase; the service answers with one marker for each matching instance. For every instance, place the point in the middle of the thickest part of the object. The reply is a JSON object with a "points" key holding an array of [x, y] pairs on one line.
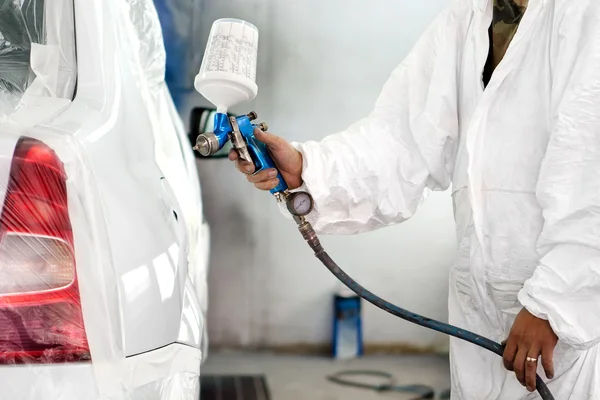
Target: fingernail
{"points": [[248, 169], [272, 173], [551, 376]]}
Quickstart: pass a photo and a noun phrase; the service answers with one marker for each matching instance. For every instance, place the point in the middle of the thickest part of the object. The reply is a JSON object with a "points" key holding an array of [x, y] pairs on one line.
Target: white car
{"points": [[103, 246]]}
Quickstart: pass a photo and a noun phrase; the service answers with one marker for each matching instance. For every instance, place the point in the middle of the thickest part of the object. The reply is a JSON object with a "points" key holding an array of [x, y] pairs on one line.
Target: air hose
{"points": [[424, 392], [313, 241]]}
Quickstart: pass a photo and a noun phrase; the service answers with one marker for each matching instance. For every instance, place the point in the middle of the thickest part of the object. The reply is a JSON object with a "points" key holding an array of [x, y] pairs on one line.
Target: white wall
{"points": [[322, 64]]}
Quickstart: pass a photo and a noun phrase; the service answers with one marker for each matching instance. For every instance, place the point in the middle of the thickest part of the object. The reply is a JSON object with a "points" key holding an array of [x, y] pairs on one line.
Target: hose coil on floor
{"points": [[424, 392]]}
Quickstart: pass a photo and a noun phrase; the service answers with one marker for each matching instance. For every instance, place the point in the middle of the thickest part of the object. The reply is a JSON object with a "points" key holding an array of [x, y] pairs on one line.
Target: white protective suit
{"points": [[523, 158]]}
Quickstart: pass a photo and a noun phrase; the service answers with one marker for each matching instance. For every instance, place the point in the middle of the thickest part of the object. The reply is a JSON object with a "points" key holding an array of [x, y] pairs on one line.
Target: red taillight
{"points": [[40, 306]]}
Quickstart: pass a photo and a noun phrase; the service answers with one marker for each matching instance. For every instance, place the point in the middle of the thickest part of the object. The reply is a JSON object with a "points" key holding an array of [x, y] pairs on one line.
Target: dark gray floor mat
{"points": [[245, 387]]}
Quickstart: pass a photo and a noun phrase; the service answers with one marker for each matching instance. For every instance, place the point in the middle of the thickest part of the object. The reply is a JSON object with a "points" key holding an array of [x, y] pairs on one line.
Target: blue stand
{"points": [[347, 327]]}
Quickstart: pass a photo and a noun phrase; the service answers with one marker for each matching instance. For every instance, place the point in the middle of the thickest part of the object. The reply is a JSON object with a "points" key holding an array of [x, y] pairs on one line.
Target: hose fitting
{"points": [[309, 234]]}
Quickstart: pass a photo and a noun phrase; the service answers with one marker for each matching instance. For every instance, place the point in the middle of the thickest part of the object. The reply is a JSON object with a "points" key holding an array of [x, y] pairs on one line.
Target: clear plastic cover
{"points": [[40, 306], [37, 50], [53, 258], [21, 25], [62, 334]]}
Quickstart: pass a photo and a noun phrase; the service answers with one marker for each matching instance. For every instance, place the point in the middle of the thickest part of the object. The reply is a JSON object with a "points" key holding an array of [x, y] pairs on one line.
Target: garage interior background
{"points": [[321, 67]]}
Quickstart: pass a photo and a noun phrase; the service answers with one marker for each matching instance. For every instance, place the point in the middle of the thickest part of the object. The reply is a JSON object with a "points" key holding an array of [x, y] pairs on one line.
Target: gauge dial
{"points": [[300, 204]]}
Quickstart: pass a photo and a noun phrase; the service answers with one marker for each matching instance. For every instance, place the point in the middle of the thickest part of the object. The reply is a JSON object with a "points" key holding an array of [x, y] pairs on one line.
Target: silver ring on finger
{"points": [[531, 360]]}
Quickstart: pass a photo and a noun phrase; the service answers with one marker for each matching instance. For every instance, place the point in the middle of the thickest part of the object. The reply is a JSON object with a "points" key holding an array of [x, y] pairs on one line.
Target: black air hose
{"points": [[311, 237]]}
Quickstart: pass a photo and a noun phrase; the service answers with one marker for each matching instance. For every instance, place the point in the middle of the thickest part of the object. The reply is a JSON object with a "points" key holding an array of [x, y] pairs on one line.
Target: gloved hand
{"points": [[286, 157], [530, 338]]}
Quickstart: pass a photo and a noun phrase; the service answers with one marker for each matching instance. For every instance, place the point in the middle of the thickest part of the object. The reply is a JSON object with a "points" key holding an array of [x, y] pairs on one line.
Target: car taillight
{"points": [[40, 307]]}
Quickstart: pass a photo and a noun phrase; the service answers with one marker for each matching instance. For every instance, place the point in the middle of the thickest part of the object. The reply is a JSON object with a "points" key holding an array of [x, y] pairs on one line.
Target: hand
{"points": [[530, 338], [286, 157]]}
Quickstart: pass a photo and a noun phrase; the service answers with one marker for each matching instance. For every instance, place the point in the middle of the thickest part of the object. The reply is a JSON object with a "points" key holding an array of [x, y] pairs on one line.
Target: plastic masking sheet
{"points": [[61, 320], [37, 51]]}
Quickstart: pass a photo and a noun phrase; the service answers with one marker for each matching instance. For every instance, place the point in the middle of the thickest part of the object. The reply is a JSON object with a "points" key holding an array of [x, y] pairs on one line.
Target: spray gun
{"points": [[228, 77]]}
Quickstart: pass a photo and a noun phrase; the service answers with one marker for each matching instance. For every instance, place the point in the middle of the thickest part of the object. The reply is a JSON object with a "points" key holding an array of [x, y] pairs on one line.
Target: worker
{"points": [[518, 138]]}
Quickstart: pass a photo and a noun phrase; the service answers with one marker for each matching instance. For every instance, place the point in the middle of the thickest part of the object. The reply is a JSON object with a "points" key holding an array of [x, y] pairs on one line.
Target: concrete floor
{"points": [[303, 378]]}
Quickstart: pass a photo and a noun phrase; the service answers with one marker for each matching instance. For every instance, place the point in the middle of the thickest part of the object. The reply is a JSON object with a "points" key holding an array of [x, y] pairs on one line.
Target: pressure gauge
{"points": [[300, 204]]}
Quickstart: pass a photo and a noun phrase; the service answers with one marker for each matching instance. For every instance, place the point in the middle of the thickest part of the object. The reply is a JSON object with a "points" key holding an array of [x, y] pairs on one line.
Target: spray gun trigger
{"points": [[244, 155], [239, 144]]}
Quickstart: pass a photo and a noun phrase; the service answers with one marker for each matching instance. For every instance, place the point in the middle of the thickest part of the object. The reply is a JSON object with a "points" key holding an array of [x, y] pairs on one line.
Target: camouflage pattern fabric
{"points": [[507, 17]]}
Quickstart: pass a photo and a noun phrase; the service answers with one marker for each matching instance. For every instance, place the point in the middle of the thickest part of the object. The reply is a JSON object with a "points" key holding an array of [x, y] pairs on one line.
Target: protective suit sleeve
{"points": [[565, 288], [376, 172]]}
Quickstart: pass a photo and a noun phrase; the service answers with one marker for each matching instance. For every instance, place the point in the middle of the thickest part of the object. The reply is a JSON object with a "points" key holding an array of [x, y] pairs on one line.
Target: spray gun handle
{"points": [[259, 153], [240, 131]]}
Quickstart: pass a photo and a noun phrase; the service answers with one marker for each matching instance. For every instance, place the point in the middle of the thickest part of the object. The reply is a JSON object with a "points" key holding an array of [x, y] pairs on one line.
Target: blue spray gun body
{"points": [[240, 131]]}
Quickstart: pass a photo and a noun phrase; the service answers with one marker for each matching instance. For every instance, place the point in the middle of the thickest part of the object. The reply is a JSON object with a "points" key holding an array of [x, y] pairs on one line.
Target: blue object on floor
{"points": [[347, 327]]}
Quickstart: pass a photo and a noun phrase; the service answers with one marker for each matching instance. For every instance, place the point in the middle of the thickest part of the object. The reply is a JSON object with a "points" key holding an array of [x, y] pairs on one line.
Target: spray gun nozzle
{"points": [[207, 144]]}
